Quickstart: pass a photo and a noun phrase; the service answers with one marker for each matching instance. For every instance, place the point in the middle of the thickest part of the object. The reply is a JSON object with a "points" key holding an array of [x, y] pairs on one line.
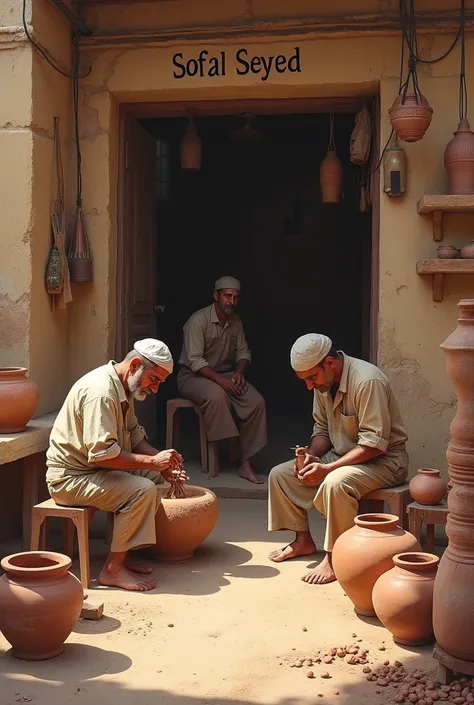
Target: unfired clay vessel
{"points": [[428, 487], [403, 598], [447, 252], [453, 606], [459, 160], [330, 175], [40, 602], [18, 399], [410, 119], [363, 553], [183, 524], [467, 252]]}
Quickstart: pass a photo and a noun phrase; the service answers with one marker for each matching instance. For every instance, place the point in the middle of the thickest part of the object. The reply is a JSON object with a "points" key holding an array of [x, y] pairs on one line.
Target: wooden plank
{"points": [[445, 266], [34, 439], [446, 203]]}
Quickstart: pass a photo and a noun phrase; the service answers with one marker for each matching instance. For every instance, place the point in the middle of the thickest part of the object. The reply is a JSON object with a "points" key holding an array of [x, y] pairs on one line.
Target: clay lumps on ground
{"points": [[418, 688]]}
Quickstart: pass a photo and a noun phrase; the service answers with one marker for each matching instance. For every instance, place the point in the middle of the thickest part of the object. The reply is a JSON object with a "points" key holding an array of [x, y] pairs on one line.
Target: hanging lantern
{"points": [[330, 172], [79, 258], [395, 171], [191, 148]]}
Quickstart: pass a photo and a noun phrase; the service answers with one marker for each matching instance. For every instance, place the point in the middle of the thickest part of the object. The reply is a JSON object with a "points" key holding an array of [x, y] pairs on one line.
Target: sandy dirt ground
{"points": [[222, 627]]}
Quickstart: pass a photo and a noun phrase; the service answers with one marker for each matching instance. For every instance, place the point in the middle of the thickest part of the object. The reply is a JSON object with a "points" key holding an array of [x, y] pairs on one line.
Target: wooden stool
{"points": [[449, 665], [78, 517], [397, 499], [419, 514]]}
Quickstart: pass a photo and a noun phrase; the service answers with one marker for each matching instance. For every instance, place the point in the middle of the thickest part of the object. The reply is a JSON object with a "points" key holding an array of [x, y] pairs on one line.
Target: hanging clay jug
{"points": [[453, 605], [330, 175], [410, 119], [459, 160], [79, 258], [447, 252], [40, 602], [18, 399], [191, 149], [428, 487], [467, 252], [403, 598], [364, 552]]}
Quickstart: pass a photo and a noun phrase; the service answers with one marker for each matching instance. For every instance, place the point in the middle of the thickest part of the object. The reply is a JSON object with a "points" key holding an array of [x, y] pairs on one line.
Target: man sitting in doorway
{"points": [[358, 445], [214, 360], [98, 456]]}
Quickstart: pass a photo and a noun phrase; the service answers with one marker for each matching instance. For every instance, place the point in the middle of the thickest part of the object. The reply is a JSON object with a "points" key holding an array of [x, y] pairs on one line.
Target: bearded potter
{"points": [[358, 445]]}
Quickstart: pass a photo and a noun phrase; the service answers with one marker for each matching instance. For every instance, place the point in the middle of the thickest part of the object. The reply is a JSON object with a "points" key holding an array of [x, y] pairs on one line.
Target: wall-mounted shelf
{"points": [[438, 268], [438, 205]]}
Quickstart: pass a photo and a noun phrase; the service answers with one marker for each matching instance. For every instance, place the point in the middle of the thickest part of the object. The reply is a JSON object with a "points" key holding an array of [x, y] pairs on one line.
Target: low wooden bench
{"points": [[397, 499], [430, 515]]}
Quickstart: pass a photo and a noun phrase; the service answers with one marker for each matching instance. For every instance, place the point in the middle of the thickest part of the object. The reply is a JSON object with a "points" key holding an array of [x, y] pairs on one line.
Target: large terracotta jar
{"points": [[330, 175], [40, 602], [403, 598], [428, 487], [18, 399], [459, 160], [453, 606], [183, 524], [363, 553], [410, 119]]}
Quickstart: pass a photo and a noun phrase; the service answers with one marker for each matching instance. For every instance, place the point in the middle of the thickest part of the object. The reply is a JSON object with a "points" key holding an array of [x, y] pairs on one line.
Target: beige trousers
{"points": [[131, 496], [217, 408], [337, 497]]}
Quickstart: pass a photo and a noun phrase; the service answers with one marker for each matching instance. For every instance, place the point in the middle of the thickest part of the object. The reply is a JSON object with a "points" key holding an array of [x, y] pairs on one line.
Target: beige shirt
{"points": [[96, 422], [364, 411], [207, 343]]}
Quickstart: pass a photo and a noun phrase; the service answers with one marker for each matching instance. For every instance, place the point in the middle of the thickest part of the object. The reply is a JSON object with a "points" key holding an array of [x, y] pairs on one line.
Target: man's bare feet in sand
{"points": [[322, 574], [303, 545], [247, 473], [116, 573]]}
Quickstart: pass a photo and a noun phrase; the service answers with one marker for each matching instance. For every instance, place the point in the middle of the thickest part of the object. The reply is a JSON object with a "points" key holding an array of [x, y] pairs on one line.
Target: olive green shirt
{"points": [[364, 411], [208, 343], [96, 422]]}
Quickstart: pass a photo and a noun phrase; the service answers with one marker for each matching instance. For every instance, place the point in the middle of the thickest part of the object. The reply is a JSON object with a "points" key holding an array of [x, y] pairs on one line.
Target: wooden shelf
{"points": [[438, 268], [438, 205]]}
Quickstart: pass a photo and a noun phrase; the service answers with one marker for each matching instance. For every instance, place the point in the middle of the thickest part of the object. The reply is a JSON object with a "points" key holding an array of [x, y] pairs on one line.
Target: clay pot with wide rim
{"points": [[447, 252], [40, 602], [410, 119], [364, 552], [467, 252], [459, 160], [428, 487], [183, 524], [330, 175], [18, 399], [403, 598]]}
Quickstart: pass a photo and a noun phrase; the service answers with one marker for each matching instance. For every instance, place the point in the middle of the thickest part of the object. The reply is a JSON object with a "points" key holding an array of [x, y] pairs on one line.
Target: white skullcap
{"points": [[227, 283], [156, 352], [309, 350]]}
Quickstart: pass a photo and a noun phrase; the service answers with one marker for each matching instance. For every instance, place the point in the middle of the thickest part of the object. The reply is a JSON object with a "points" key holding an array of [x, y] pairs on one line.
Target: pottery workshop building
{"points": [[263, 88]]}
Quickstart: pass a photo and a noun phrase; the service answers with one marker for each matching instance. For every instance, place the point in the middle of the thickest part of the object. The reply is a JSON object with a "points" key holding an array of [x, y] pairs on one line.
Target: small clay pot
{"points": [[459, 160], [428, 487], [330, 175], [447, 252], [18, 399], [403, 598], [410, 119], [467, 252]]}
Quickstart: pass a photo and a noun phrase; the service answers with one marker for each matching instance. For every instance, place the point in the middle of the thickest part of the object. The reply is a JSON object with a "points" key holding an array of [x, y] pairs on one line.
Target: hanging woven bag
{"points": [[361, 137]]}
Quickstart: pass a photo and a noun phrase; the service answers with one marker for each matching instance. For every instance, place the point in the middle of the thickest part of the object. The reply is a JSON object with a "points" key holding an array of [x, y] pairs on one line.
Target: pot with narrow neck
{"points": [[459, 160], [18, 399], [428, 487]]}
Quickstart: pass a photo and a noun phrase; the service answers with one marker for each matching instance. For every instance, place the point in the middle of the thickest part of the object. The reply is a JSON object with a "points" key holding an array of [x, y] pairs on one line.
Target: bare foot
{"points": [[322, 574], [247, 473], [124, 579], [302, 546], [136, 567]]}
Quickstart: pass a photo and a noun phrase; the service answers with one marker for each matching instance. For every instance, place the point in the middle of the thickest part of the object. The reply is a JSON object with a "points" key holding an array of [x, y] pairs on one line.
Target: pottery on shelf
{"points": [[447, 252], [183, 524], [467, 252], [364, 552], [40, 602], [330, 175], [428, 487], [459, 160], [18, 399], [410, 119], [453, 605], [403, 598]]}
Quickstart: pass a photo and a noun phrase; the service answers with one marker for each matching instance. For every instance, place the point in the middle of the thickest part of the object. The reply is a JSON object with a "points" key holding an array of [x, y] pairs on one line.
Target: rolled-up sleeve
{"points": [[242, 351], [372, 402], [320, 427], [194, 331], [100, 431]]}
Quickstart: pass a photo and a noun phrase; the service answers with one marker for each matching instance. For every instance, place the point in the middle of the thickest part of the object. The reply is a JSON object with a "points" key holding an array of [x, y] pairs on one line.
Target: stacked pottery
{"points": [[403, 598], [364, 552], [18, 399], [459, 160], [410, 116], [428, 487]]}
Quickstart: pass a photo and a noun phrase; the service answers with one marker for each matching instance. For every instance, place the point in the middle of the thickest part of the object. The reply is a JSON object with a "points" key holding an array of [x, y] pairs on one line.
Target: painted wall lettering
{"points": [[243, 63]]}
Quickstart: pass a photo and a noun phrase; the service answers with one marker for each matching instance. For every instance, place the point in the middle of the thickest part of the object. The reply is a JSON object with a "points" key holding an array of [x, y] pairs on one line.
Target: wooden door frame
{"points": [[259, 106]]}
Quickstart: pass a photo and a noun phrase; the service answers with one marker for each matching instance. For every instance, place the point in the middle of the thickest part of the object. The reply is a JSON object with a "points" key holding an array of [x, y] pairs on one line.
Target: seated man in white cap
{"points": [[358, 445], [214, 360], [98, 456]]}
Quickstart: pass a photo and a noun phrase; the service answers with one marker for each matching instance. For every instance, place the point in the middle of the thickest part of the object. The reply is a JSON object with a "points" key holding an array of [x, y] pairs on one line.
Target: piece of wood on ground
{"points": [[92, 609]]}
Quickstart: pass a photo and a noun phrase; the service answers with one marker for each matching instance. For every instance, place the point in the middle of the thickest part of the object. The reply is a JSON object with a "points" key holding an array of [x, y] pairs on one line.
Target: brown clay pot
{"points": [[447, 252], [183, 524], [330, 175], [410, 119], [18, 399], [467, 252], [453, 602], [40, 602], [459, 160], [403, 598], [364, 552], [428, 487]]}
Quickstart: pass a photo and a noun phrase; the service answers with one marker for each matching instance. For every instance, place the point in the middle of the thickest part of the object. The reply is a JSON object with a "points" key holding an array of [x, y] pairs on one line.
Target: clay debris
{"points": [[176, 488], [353, 655], [418, 688]]}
